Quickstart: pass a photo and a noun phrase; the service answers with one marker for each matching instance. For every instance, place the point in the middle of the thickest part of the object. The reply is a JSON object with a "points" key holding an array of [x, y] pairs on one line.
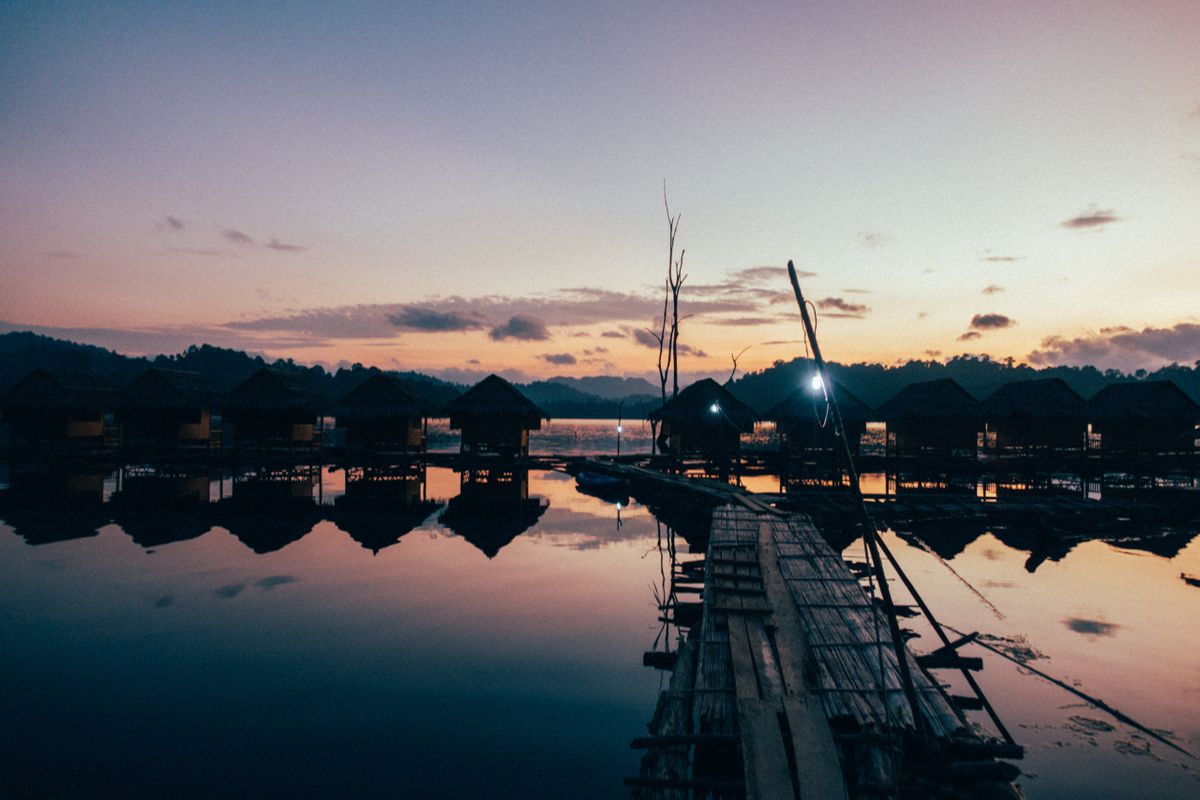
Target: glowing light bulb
{"points": [[714, 408], [619, 429], [817, 383]]}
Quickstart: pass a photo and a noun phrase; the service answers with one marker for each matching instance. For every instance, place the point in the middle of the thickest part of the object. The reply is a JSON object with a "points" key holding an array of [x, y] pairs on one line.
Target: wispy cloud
{"points": [[284, 247], [62, 255], [991, 322], [237, 237], [202, 251], [969, 335], [840, 308], [1092, 219], [560, 358], [522, 327], [173, 223], [416, 318], [875, 239], [993, 289], [612, 335], [1123, 347], [740, 321], [997, 258]]}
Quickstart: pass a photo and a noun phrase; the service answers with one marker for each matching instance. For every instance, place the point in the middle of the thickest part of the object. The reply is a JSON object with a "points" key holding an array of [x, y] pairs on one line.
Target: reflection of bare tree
{"points": [[665, 592]]}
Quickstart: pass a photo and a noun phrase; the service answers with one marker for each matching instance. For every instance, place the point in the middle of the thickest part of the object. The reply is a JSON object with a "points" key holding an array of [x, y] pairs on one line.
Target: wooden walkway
{"points": [[788, 685]]}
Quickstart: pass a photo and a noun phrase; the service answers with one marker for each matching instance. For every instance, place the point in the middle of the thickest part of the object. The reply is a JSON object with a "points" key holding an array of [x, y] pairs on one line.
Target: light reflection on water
{"points": [[330, 666]]}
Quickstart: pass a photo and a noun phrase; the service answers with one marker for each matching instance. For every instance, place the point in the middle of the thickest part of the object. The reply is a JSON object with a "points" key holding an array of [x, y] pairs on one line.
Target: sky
{"points": [[466, 188]]}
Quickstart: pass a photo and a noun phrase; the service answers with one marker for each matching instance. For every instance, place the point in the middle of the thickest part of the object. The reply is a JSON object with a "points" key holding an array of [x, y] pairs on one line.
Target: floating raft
{"points": [[788, 685]]}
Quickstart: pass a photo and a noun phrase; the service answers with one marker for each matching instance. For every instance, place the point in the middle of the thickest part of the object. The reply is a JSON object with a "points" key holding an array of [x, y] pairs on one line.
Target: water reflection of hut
{"points": [[273, 409], [806, 428], [1148, 418], [703, 420], [156, 508], [1036, 417], [270, 508], [495, 418], [932, 419], [50, 413], [381, 504], [166, 410], [46, 507], [380, 415], [493, 507]]}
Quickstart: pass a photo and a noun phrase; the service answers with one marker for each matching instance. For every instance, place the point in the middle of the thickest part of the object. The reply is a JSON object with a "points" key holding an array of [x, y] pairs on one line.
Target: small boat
{"points": [[594, 480], [605, 487]]}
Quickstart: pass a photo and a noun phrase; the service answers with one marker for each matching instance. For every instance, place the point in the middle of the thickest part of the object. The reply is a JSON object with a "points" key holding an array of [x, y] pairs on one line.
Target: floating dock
{"points": [[788, 684]]}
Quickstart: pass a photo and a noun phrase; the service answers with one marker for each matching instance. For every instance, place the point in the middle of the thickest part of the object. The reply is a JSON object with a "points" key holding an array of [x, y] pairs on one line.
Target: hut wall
{"points": [[396, 431], [803, 436], [1151, 437], [494, 434], [166, 428], [1039, 434], [943, 436], [709, 440], [283, 429], [85, 427]]}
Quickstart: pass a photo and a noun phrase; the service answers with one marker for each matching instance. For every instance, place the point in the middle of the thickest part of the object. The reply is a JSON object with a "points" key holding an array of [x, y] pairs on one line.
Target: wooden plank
{"points": [[744, 677], [764, 757], [818, 767]]}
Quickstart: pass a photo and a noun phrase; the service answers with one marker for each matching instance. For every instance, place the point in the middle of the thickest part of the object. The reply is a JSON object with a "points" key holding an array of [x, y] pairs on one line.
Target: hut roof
{"points": [[274, 390], [380, 395], [799, 406], [694, 406], [1043, 397], [1142, 400], [169, 389], [940, 399], [60, 391], [494, 396]]}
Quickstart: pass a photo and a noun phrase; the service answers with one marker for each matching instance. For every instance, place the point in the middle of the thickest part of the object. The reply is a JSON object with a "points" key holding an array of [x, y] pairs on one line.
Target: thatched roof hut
{"points": [[704, 419], [932, 417], [168, 408], [1036, 415], [494, 417], [493, 509], [802, 422], [381, 414], [1147, 417], [56, 409], [273, 408]]}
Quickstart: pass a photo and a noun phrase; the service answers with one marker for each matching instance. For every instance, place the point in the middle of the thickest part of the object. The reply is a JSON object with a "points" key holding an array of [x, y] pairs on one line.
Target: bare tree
{"points": [[734, 359], [668, 351]]}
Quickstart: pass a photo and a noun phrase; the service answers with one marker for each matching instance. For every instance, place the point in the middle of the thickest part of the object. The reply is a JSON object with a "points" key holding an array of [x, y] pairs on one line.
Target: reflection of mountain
{"points": [[45, 508], [156, 510], [493, 508], [945, 537]]}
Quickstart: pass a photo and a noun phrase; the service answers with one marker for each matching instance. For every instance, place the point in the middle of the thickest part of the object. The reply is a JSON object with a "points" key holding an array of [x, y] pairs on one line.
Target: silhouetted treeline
{"points": [[23, 352], [979, 375]]}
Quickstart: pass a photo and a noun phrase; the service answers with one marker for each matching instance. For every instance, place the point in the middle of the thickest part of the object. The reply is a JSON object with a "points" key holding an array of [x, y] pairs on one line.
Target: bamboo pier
{"points": [[788, 684]]}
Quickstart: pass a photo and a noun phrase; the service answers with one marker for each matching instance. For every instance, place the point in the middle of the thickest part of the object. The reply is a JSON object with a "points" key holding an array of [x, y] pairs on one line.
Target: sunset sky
{"points": [[461, 188]]}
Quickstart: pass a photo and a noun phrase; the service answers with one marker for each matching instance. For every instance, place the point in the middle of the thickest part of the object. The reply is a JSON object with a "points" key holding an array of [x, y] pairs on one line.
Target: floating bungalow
{"points": [[806, 428], [43, 507], [155, 508], [273, 410], [169, 410], [1035, 417], [704, 420], [933, 419], [53, 413], [1143, 419], [381, 416], [495, 418], [382, 504]]}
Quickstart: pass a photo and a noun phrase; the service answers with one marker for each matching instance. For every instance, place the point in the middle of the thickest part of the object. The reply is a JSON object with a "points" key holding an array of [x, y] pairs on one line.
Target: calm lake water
{"points": [[302, 654]]}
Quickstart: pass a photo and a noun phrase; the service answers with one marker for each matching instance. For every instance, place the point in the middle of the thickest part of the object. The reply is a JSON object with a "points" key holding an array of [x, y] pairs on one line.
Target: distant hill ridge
{"points": [[596, 396]]}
